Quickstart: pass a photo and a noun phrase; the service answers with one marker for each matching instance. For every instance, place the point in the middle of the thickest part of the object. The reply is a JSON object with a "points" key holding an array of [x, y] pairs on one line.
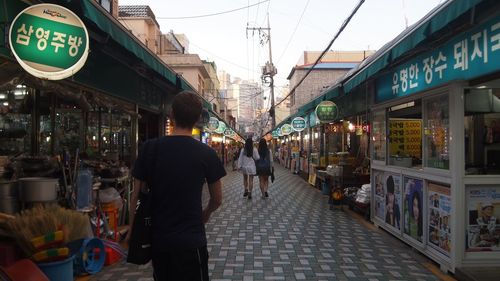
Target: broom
{"points": [[40, 221]]}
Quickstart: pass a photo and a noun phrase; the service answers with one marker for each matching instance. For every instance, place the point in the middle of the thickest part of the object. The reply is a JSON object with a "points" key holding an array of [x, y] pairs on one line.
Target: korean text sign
{"points": [[468, 55], [49, 41]]}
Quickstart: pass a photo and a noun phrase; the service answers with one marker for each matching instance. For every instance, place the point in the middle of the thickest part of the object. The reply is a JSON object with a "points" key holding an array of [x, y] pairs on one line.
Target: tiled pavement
{"points": [[292, 235]]}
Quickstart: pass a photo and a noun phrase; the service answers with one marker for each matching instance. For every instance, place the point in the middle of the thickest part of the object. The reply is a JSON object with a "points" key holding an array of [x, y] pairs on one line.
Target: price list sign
{"points": [[406, 137]]}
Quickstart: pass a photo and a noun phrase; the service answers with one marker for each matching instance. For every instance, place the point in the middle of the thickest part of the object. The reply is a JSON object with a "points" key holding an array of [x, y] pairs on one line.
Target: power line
{"points": [[344, 25], [210, 15], [295, 30]]}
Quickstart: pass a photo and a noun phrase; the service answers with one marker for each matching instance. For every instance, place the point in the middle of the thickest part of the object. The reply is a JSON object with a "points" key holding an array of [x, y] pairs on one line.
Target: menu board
{"points": [[439, 217], [388, 198], [405, 137], [413, 208], [483, 228]]}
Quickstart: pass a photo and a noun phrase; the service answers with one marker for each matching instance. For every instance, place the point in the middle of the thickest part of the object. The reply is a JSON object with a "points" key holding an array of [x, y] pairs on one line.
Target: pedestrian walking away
{"points": [[246, 164], [181, 167], [264, 167]]}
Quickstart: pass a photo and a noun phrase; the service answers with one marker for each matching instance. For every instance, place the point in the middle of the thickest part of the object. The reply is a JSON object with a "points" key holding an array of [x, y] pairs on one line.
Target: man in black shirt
{"points": [[176, 168]]}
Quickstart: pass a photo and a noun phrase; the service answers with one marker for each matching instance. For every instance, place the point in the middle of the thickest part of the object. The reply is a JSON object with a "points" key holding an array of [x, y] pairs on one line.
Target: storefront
{"points": [[435, 142]]}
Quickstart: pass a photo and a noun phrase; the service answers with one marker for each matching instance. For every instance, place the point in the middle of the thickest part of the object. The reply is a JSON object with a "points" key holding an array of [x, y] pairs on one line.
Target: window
{"points": [[437, 132], [106, 4], [15, 121], [379, 135], [482, 131], [405, 134]]}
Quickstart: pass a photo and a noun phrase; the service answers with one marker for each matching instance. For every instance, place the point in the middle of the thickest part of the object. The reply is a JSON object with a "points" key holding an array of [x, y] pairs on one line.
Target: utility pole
{"points": [[268, 71]]}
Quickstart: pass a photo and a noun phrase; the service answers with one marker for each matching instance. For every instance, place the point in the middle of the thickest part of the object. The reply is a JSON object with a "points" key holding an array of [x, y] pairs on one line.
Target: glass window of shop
{"points": [[68, 126], [109, 134], [405, 134], [356, 137], [333, 134], [482, 129], [436, 132], [15, 120], [379, 135]]}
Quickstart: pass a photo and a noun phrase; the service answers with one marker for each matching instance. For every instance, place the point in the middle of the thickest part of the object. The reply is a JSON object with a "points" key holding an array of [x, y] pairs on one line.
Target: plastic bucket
{"points": [[59, 270], [325, 189]]}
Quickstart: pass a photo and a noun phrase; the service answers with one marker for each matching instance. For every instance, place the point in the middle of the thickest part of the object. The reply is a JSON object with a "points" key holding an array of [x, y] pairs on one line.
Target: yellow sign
{"points": [[406, 137]]}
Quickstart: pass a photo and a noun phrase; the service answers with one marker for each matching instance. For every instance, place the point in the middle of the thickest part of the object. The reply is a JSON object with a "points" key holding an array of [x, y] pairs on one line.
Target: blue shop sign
{"points": [[466, 56]]}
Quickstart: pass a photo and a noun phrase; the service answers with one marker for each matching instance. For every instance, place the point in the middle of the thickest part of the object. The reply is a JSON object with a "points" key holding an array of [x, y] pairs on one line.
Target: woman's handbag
{"points": [[139, 251]]}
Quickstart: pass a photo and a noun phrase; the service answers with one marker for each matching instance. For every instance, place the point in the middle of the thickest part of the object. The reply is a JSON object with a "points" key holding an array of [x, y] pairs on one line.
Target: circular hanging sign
{"points": [[327, 111], [275, 133], [286, 129], [213, 124], [49, 41], [228, 132], [298, 124], [221, 128]]}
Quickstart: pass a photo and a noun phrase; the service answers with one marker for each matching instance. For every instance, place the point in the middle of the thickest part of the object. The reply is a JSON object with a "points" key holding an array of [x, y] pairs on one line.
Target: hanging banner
{"points": [[299, 124], [286, 129], [49, 41], [327, 111]]}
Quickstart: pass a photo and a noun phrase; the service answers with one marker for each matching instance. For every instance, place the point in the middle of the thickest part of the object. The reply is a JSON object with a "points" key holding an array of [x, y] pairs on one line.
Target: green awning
{"points": [[104, 21], [444, 14]]}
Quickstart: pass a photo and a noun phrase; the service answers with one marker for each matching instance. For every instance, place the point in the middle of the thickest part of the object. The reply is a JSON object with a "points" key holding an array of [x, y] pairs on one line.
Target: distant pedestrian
{"points": [[246, 164], [175, 168], [264, 166]]}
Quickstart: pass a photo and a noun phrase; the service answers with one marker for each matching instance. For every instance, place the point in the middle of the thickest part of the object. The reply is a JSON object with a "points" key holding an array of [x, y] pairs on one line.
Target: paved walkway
{"points": [[292, 235]]}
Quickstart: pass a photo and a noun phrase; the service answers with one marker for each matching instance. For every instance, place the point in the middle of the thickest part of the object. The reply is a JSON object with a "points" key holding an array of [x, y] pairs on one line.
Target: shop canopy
{"points": [[91, 13], [106, 23], [434, 21], [411, 38]]}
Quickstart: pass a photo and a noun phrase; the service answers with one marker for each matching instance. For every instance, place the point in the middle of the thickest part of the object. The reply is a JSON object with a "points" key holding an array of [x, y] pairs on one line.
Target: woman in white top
{"points": [[246, 164]]}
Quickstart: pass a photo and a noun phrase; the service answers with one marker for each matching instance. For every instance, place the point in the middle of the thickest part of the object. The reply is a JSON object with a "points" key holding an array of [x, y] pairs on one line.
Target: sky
{"points": [[296, 26]]}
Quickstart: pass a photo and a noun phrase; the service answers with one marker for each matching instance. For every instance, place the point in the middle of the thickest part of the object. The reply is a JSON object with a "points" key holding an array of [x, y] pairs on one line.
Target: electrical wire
{"points": [[293, 33], [342, 27], [214, 14]]}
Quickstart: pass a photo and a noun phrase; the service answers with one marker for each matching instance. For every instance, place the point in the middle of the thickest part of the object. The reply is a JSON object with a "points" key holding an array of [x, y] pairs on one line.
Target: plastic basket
{"points": [[59, 270]]}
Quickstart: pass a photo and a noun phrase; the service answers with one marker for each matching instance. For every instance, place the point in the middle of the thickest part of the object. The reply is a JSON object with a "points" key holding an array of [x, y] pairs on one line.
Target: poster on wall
{"points": [[439, 202], [413, 208], [483, 209], [388, 196]]}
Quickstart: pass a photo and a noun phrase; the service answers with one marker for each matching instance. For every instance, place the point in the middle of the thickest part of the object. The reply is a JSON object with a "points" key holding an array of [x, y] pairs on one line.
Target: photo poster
{"points": [[388, 196], [413, 206], [439, 202], [483, 208]]}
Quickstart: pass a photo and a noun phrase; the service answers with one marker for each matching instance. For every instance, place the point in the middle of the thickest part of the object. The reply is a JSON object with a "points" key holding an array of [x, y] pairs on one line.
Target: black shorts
{"points": [[181, 265]]}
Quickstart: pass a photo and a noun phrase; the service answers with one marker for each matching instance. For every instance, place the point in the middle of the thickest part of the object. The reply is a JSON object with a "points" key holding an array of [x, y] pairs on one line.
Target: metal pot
{"points": [[38, 189], [9, 205], [8, 189]]}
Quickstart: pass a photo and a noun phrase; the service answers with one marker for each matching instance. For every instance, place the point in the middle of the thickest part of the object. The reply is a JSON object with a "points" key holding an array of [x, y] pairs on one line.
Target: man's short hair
{"points": [[186, 109]]}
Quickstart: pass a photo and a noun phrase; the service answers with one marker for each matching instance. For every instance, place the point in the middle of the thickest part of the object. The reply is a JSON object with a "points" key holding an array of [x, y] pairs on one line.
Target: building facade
{"points": [[333, 66]]}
